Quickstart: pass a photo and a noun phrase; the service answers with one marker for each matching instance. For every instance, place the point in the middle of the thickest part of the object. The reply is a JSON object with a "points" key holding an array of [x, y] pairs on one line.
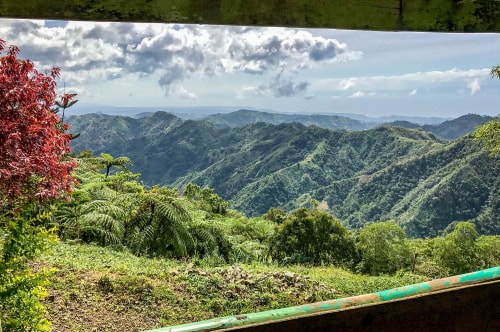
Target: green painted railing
{"points": [[382, 296]]}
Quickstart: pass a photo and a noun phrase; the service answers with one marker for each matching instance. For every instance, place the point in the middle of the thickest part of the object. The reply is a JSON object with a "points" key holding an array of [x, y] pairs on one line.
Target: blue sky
{"points": [[279, 69]]}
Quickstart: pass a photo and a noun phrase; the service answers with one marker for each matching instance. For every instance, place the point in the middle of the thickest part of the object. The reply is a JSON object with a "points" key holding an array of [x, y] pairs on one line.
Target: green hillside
{"points": [[413, 177], [98, 131], [450, 129]]}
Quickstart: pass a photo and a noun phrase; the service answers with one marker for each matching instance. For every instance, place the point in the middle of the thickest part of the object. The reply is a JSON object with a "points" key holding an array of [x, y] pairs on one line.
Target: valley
{"points": [[414, 176]]}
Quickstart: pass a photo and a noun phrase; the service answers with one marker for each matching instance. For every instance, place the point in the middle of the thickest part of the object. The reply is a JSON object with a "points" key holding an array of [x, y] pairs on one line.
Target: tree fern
{"points": [[99, 216], [211, 239], [159, 226]]}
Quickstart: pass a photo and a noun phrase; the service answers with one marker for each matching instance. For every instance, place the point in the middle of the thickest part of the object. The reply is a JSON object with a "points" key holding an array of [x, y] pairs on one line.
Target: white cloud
{"points": [[474, 86], [81, 93], [100, 51], [184, 94], [345, 84], [405, 82], [246, 91], [357, 94]]}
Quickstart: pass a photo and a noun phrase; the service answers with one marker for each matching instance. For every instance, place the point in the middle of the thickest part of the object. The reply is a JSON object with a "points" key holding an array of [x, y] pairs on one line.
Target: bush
{"points": [[314, 236], [21, 288], [458, 252], [383, 248]]}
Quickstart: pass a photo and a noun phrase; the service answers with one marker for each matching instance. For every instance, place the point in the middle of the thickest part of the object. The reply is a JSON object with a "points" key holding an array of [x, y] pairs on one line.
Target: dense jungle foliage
{"points": [[162, 257], [109, 207]]}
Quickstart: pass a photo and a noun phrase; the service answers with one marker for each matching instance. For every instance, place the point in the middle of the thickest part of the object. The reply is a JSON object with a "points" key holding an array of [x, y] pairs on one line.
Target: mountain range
{"points": [[413, 176], [450, 129], [201, 112], [244, 117]]}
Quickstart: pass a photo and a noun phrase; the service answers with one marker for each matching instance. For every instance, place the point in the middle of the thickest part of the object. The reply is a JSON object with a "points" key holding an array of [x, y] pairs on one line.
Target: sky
{"points": [[279, 69]]}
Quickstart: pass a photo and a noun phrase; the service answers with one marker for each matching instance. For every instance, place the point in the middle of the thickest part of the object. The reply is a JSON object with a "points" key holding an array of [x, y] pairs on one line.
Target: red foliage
{"points": [[33, 142]]}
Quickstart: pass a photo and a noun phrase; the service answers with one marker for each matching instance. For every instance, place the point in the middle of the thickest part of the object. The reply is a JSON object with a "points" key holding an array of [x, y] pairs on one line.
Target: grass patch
{"points": [[101, 289]]}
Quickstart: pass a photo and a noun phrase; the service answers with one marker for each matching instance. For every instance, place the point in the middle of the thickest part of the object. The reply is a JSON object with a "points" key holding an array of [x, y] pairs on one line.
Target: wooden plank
{"points": [[421, 15]]}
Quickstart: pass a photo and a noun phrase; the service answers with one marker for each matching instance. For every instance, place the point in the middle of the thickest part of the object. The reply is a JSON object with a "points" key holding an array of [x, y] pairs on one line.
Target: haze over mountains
{"points": [[259, 160], [201, 112]]}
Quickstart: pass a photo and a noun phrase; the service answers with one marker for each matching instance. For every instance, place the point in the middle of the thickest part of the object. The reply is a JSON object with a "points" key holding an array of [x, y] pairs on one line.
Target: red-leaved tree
{"points": [[34, 168], [33, 141]]}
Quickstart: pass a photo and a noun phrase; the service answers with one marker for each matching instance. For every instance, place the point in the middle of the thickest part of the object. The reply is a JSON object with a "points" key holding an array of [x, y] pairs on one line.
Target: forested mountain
{"points": [[450, 129], [413, 177], [148, 123], [243, 117], [99, 131]]}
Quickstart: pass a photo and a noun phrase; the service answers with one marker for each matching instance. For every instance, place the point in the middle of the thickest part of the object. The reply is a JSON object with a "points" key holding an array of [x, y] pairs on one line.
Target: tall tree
{"points": [[459, 251], [33, 148], [383, 248], [34, 168], [107, 161], [489, 133]]}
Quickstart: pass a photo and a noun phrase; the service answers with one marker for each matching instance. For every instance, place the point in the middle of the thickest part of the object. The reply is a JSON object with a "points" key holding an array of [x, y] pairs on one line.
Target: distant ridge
{"points": [[244, 117], [391, 118], [450, 129], [199, 112]]}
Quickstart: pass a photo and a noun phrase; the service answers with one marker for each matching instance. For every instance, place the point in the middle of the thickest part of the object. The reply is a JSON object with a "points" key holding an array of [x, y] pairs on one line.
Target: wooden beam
{"points": [[410, 15]]}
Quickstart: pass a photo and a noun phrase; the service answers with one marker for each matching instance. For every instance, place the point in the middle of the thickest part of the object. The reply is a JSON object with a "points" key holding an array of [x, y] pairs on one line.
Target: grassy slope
{"points": [[97, 289]]}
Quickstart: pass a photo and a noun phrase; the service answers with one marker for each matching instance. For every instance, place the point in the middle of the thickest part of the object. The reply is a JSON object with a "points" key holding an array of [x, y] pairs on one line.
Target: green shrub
{"points": [[314, 236], [104, 284], [458, 252], [22, 239], [383, 248]]}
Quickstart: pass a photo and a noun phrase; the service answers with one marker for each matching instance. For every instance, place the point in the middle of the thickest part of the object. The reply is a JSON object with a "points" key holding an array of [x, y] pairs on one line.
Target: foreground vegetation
{"points": [[110, 207], [97, 288], [94, 288], [162, 258]]}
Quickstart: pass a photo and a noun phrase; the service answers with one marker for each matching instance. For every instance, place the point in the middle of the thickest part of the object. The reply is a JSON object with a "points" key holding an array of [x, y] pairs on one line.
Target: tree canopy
{"points": [[315, 236], [383, 247], [33, 141], [489, 133]]}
